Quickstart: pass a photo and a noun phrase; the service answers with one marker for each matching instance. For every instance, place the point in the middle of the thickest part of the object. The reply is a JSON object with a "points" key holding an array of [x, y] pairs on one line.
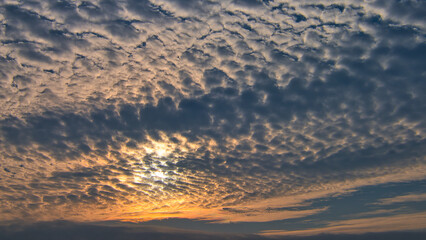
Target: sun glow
{"points": [[159, 174], [158, 150], [148, 173]]}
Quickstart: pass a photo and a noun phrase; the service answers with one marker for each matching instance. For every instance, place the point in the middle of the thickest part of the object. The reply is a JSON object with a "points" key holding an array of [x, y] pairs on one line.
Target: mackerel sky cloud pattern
{"points": [[269, 114]]}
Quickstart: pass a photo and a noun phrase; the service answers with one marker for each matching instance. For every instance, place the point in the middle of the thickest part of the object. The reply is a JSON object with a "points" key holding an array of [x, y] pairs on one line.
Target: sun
{"points": [[159, 174], [158, 149]]}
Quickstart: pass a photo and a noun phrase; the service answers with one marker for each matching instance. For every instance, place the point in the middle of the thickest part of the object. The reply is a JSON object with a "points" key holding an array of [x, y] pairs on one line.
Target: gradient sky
{"points": [[246, 118]]}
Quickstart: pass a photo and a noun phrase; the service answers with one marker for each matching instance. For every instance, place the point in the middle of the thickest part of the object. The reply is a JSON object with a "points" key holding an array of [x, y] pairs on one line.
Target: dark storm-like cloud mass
{"points": [[226, 111]]}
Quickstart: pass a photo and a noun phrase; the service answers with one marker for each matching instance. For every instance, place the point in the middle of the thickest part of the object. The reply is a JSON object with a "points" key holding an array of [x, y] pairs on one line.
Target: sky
{"points": [[208, 119]]}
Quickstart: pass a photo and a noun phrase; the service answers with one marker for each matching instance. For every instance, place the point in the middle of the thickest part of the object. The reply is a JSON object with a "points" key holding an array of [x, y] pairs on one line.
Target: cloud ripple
{"points": [[141, 110]]}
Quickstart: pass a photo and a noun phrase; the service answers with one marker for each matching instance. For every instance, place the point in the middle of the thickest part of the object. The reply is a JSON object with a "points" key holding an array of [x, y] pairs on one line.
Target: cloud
{"points": [[363, 225], [402, 199], [408, 12], [218, 110]]}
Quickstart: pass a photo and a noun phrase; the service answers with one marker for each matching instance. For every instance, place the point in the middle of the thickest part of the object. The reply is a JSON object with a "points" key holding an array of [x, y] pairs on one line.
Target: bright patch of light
{"points": [[159, 174], [159, 149]]}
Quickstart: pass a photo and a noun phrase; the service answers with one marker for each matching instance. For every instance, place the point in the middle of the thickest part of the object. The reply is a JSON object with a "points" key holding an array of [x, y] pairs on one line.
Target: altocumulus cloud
{"points": [[226, 111]]}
